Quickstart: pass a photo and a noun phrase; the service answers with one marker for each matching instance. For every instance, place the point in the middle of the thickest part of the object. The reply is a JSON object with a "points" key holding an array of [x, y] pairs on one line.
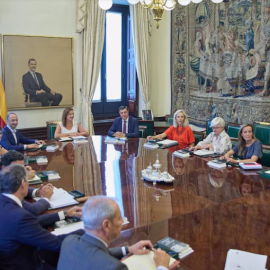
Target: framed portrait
{"points": [[37, 71], [147, 115]]}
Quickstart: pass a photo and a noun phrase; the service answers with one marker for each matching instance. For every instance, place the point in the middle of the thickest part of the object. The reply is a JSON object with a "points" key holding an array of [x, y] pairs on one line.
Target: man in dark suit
{"points": [[34, 85], [12, 139], [45, 192], [21, 235], [125, 125], [103, 222]]}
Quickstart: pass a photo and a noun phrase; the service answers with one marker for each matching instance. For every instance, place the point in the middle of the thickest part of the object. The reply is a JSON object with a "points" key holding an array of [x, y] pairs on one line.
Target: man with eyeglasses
{"points": [[218, 140]]}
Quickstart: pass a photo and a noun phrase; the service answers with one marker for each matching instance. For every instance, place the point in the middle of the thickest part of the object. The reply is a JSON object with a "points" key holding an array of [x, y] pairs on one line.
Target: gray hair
{"points": [[186, 122], [218, 121], [9, 114], [11, 178], [96, 210]]}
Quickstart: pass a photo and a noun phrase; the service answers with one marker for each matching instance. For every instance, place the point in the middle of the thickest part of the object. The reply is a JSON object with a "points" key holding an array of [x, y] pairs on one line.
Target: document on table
{"points": [[242, 260], [145, 261]]}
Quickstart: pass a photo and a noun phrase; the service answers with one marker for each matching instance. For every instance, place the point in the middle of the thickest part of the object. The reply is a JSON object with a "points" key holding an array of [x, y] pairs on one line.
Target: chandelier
{"points": [[156, 7]]}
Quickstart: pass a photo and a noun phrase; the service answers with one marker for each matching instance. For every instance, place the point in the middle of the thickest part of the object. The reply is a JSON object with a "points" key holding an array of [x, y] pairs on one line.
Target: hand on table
{"points": [[31, 146], [150, 138], [75, 211], [161, 258], [119, 134], [30, 173], [45, 191], [73, 134], [140, 247]]}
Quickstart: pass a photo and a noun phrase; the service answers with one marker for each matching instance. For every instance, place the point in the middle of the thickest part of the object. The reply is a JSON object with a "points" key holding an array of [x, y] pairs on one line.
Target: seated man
{"points": [[125, 125], [34, 85], [21, 235], [12, 139], [46, 192], [102, 222]]}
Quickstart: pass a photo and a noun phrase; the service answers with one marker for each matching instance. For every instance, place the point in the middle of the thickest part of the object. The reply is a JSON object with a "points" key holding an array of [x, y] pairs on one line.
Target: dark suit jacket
{"points": [[8, 141], [37, 208], [21, 235], [30, 86], [133, 127], [86, 252]]}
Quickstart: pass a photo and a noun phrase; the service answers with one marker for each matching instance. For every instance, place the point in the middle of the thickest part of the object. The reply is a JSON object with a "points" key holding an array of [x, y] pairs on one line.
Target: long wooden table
{"points": [[212, 210]]}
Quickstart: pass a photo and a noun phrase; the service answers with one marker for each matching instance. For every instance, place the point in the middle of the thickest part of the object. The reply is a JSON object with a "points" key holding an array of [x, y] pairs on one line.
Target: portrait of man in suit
{"points": [[34, 85]]}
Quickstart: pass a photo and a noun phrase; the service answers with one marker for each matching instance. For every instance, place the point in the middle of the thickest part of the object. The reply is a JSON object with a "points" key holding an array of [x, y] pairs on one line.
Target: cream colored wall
{"points": [[57, 18], [160, 67], [43, 17]]}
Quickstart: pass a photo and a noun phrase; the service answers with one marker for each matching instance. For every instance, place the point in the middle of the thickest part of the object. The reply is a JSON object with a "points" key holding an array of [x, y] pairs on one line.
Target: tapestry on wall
{"points": [[221, 60]]}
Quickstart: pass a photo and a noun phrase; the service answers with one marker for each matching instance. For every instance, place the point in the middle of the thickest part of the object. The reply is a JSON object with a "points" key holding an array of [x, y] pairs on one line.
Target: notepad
{"points": [[145, 261], [60, 198]]}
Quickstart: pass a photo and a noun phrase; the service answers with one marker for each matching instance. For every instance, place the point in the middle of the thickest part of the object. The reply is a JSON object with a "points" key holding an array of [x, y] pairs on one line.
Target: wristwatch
{"points": [[127, 251]]}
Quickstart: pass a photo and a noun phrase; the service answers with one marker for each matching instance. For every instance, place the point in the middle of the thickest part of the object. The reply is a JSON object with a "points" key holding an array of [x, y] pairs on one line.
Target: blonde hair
{"points": [[241, 141], [186, 122]]}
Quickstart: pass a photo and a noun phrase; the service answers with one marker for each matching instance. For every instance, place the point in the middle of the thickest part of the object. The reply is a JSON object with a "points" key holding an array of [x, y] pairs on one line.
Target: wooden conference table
{"points": [[212, 210]]}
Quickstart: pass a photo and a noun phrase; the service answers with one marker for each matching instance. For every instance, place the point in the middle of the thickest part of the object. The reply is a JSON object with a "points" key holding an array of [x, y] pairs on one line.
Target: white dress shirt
{"points": [[14, 198], [221, 143], [34, 75], [126, 125]]}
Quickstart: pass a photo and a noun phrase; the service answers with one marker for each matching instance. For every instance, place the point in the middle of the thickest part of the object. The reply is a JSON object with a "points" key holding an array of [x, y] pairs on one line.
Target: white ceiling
{"points": [[120, 2]]}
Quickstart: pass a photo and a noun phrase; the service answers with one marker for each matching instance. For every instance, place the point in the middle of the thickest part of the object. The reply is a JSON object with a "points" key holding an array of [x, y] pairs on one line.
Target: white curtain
{"points": [[141, 34], [91, 22]]}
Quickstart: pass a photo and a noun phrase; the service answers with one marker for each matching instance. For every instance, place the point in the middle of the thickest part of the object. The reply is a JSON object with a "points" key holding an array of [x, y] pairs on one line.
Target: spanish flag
{"points": [[3, 105]]}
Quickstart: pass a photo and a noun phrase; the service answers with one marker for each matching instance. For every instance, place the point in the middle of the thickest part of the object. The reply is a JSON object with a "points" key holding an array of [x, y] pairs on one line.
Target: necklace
{"points": [[179, 132]]}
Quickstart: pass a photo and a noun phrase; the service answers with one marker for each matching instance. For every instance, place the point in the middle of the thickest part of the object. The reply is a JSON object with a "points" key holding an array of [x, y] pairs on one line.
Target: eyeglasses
{"points": [[215, 127]]}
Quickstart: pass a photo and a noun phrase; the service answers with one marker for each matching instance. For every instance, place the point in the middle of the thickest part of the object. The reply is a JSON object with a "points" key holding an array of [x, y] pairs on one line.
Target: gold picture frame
{"points": [[54, 58]]}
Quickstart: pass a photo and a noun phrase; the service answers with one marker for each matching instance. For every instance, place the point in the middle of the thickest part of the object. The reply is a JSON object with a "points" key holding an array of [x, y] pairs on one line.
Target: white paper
{"points": [[150, 145], [167, 142], [78, 137], [60, 198], [242, 260], [203, 152], [33, 179], [145, 261]]}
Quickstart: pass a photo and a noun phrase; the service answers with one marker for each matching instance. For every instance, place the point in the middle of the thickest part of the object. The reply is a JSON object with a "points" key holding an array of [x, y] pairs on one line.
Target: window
{"points": [[111, 90]]}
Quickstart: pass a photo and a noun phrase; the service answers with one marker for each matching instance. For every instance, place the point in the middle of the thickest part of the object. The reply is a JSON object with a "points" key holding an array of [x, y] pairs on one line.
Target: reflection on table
{"points": [[212, 210]]}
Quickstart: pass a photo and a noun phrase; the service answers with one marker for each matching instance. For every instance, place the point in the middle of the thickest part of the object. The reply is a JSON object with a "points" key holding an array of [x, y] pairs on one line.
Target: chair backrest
{"points": [[149, 124], [262, 132], [142, 131], [208, 127], [266, 158], [51, 127], [199, 136], [233, 130]]}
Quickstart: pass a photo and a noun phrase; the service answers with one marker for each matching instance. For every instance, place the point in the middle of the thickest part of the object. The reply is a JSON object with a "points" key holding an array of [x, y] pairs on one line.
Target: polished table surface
{"points": [[212, 210]]}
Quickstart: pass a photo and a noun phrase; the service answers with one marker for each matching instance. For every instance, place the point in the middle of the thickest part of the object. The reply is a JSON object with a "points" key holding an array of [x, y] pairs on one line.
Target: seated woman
{"points": [[179, 131], [218, 140], [68, 127], [249, 149]]}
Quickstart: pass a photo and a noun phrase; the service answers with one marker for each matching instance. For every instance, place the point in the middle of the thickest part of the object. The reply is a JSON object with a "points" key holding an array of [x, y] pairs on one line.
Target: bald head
{"points": [[96, 210]]}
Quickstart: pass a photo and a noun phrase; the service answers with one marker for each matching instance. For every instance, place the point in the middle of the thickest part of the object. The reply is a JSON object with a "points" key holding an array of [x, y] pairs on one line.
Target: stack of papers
{"points": [[217, 163], [52, 148], [35, 180], [65, 139], [114, 140], [172, 245], [167, 143], [250, 166], [181, 154], [60, 198], [75, 226], [79, 139], [242, 260], [149, 145], [48, 175], [203, 152], [41, 160]]}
